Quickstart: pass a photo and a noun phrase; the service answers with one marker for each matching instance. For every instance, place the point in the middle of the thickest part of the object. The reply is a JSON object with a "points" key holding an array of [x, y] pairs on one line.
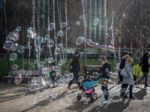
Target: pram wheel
{"points": [[79, 97], [94, 96]]}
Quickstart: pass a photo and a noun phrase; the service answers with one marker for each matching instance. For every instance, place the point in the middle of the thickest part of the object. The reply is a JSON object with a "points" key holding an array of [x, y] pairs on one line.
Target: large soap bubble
{"points": [[57, 51], [51, 26], [63, 24], [50, 43], [78, 23], [57, 68], [50, 60], [43, 40], [14, 67], [81, 79], [22, 72], [18, 79], [95, 22], [21, 49], [81, 17], [15, 34], [89, 42], [28, 47], [37, 48], [8, 44], [60, 33], [31, 33], [80, 40], [14, 47], [37, 41], [13, 56]]}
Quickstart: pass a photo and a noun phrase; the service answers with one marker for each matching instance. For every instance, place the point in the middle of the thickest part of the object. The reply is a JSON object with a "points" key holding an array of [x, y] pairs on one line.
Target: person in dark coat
{"points": [[74, 68], [145, 68], [105, 70], [121, 66]]}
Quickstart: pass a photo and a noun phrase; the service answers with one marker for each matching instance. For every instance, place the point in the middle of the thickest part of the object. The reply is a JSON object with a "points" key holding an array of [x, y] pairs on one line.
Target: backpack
{"points": [[122, 64]]}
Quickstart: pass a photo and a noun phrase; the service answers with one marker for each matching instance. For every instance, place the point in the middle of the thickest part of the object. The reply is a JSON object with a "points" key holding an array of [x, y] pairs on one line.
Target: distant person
{"points": [[121, 66], [128, 81], [105, 70], [145, 69], [74, 68]]}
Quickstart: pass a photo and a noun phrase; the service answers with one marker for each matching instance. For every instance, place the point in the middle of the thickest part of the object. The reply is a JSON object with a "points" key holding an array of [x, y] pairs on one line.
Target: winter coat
{"points": [[106, 68], [126, 72], [75, 65]]}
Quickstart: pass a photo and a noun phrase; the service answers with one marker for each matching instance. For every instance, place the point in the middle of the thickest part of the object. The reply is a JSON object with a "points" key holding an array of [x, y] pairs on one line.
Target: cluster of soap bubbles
{"points": [[12, 45], [95, 21]]}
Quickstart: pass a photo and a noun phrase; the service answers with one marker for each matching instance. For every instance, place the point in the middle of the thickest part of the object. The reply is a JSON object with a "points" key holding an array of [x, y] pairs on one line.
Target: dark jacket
{"points": [[75, 65], [145, 67], [122, 64], [144, 63], [106, 68]]}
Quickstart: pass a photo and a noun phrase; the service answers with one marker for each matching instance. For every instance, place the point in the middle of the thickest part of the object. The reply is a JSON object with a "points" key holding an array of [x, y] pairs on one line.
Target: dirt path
{"points": [[15, 99]]}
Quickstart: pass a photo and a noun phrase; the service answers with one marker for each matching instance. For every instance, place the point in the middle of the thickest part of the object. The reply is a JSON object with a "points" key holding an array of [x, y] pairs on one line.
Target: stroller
{"points": [[88, 89]]}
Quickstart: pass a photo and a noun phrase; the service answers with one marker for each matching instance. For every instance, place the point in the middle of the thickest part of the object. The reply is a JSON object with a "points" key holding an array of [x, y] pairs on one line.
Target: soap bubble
{"points": [[22, 72], [14, 67], [95, 74], [57, 51], [14, 47], [13, 56], [18, 79], [50, 43], [51, 26], [61, 62], [43, 40], [95, 22], [89, 42], [31, 33], [45, 70], [50, 60], [15, 34], [80, 40], [112, 41], [63, 24], [21, 49], [28, 47], [78, 23], [57, 68], [60, 33], [18, 28], [37, 49], [80, 79], [8, 44], [81, 17], [37, 41]]}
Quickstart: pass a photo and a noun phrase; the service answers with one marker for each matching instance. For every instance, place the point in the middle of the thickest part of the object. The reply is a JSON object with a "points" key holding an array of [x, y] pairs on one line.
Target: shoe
{"points": [[68, 87], [146, 85], [132, 97]]}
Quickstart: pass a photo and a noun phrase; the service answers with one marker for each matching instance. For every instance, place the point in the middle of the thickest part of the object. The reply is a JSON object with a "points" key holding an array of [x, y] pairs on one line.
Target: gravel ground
{"points": [[14, 98]]}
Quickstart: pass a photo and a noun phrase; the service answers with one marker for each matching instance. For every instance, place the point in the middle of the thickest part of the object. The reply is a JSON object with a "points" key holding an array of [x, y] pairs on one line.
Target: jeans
{"points": [[124, 90], [120, 77], [75, 78], [105, 91], [145, 75]]}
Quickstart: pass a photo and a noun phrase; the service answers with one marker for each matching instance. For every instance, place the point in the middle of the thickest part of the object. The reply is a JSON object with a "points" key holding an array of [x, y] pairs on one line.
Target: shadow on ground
{"points": [[120, 106]]}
